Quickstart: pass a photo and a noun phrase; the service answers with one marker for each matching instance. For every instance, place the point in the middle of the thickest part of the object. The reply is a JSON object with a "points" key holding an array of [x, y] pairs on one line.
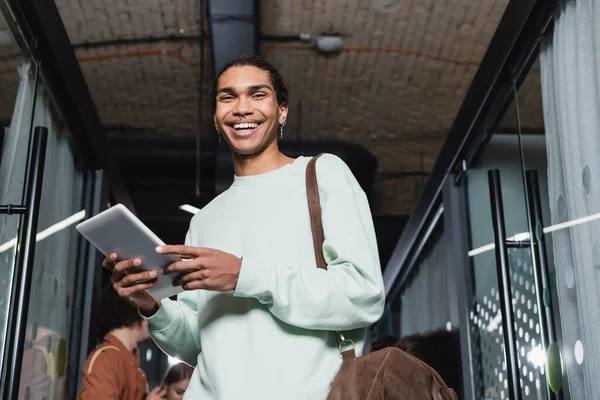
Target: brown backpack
{"points": [[390, 373]]}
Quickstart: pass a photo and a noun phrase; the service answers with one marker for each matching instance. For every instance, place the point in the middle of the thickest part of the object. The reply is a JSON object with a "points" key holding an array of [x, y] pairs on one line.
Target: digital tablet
{"points": [[118, 230]]}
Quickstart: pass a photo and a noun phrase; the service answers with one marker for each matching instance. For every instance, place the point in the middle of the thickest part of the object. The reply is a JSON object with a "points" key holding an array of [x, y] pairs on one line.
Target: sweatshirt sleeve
{"points": [[349, 294], [174, 327]]}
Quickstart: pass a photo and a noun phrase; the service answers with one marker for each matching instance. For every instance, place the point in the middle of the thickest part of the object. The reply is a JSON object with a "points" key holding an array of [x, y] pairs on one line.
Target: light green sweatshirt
{"points": [[273, 337]]}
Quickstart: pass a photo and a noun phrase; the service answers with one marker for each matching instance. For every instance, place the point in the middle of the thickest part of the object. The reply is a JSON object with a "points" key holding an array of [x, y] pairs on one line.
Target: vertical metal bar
{"points": [[504, 287], [542, 273], [24, 267], [78, 320], [456, 232], [541, 270], [93, 279]]}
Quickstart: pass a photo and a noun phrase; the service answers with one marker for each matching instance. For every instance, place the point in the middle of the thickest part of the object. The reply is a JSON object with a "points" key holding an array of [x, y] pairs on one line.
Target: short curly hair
{"points": [[112, 312], [250, 60]]}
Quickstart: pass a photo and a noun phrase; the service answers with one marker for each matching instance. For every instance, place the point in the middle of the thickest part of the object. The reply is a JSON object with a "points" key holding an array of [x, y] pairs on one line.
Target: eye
{"points": [[226, 98], [259, 95]]}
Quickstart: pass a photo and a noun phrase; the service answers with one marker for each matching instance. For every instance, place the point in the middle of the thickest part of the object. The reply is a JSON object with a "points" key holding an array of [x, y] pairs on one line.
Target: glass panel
{"points": [[503, 152], [10, 55], [16, 102], [45, 356], [570, 95], [423, 308], [11, 172]]}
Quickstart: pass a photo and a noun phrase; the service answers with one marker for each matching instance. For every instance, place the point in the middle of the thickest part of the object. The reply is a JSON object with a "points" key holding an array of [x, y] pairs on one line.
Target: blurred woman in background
{"points": [[176, 381]]}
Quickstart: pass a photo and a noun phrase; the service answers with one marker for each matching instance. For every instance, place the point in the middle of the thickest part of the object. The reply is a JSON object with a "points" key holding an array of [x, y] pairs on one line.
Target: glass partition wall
{"points": [[521, 222], [59, 256]]}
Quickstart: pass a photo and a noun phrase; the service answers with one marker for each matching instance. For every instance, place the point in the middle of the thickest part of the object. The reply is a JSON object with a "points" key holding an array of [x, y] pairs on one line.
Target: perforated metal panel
{"points": [[486, 327]]}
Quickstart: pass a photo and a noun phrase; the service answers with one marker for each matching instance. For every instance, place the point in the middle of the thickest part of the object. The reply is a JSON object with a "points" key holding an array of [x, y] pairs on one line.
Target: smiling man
{"points": [[258, 318]]}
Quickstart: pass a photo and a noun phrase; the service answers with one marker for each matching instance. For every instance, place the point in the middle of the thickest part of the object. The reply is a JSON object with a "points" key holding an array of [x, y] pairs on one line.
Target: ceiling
{"points": [[395, 89]]}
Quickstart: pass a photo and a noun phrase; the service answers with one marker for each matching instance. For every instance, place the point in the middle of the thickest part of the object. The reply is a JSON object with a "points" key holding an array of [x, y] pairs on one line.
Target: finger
{"points": [[156, 390], [189, 277], [123, 266], [163, 393], [195, 285], [183, 266], [130, 280], [116, 276], [181, 250], [109, 261], [128, 291]]}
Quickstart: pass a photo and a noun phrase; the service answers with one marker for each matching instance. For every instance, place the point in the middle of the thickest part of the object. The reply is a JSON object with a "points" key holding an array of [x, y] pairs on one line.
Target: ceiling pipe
{"points": [[234, 26]]}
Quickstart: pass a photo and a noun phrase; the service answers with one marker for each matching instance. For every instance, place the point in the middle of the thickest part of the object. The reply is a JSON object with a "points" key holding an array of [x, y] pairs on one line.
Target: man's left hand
{"points": [[203, 268]]}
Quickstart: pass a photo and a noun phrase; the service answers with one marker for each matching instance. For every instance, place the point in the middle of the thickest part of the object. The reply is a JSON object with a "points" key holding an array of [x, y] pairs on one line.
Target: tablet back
{"points": [[118, 230]]}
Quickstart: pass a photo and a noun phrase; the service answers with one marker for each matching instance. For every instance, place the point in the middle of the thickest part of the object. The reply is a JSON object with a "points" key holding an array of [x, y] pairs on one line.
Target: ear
{"points": [[283, 113]]}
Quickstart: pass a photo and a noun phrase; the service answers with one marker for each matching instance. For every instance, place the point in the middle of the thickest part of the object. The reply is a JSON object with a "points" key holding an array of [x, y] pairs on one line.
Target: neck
{"points": [[266, 161], [127, 336]]}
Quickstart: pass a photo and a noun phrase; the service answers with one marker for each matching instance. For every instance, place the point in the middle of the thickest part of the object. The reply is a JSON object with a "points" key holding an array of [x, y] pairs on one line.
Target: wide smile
{"points": [[244, 128]]}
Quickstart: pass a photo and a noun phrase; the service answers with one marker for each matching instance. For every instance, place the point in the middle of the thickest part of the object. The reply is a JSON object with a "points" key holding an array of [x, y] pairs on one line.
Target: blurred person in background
{"points": [[176, 381], [440, 349], [112, 370], [383, 342]]}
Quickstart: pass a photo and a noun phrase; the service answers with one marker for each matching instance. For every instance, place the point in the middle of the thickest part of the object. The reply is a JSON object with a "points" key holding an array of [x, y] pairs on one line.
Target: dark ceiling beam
{"points": [[234, 26], [47, 37]]}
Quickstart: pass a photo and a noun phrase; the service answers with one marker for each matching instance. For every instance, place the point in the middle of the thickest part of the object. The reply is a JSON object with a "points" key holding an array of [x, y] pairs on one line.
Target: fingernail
{"points": [[137, 261], [159, 249], [113, 256], [152, 274]]}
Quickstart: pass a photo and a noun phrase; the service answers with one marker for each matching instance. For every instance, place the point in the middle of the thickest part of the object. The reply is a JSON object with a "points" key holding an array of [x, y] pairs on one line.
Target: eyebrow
{"points": [[252, 88]]}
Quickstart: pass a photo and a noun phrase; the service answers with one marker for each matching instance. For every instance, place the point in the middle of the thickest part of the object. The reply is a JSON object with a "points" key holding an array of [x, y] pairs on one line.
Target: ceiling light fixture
{"points": [[326, 43], [189, 208]]}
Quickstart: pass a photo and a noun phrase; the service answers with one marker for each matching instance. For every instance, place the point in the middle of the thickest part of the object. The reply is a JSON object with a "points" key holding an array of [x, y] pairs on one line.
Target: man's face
{"points": [[247, 112]]}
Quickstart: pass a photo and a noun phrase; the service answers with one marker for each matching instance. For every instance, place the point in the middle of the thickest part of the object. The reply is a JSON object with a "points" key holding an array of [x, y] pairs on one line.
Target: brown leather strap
{"points": [[318, 236], [314, 209]]}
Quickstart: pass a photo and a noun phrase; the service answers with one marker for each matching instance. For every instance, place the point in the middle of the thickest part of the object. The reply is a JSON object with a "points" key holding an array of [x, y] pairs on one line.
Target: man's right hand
{"points": [[124, 282]]}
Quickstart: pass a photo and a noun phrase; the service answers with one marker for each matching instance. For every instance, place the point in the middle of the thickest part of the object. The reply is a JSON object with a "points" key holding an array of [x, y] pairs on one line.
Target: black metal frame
{"points": [[504, 286], [457, 237], [509, 54], [21, 284], [81, 312], [2, 135], [44, 33]]}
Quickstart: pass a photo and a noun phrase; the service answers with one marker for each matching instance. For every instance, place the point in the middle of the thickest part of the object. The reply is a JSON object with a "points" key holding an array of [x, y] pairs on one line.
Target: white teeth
{"points": [[246, 125]]}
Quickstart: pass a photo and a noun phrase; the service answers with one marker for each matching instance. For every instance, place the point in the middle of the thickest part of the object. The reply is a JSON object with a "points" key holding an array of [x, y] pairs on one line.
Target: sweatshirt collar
{"points": [[268, 176]]}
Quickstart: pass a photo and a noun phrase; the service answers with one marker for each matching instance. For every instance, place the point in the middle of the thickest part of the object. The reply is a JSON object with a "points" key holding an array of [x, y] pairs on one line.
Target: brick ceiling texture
{"points": [[395, 89]]}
